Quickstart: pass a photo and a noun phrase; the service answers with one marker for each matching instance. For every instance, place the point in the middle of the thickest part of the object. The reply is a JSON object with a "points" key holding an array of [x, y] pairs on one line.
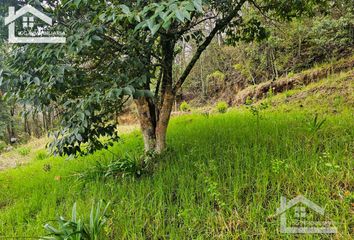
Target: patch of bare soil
{"points": [[14, 158]]}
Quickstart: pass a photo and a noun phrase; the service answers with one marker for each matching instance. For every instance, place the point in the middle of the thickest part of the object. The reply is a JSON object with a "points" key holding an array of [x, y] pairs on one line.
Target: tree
{"points": [[119, 49]]}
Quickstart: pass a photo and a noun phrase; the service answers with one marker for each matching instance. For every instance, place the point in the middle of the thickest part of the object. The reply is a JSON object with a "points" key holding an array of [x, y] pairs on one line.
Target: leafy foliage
{"points": [[163, 14], [87, 91], [77, 229]]}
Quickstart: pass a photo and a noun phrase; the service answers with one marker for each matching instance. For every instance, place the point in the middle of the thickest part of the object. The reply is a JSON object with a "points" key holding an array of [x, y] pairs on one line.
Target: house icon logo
{"points": [[299, 221], [42, 36]]}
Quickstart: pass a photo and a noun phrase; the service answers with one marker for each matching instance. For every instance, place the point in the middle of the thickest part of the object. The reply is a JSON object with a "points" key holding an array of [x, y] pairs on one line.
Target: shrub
{"points": [[215, 80], [185, 107], [217, 75], [222, 107], [24, 151], [78, 229]]}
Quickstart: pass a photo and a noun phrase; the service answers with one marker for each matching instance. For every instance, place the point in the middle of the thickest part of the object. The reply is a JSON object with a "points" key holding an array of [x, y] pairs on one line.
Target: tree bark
{"points": [[154, 127], [154, 114], [167, 93], [162, 124], [147, 123]]}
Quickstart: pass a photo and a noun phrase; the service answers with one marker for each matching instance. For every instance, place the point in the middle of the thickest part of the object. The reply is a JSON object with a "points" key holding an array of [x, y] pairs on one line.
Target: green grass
{"points": [[24, 151], [222, 178], [330, 95]]}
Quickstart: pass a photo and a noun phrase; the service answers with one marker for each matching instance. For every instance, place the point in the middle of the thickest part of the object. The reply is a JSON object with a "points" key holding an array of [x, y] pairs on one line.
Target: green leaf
{"points": [[96, 38], [179, 15], [77, 2], [173, 7], [186, 14], [128, 91], [155, 29], [190, 7], [78, 137], [140, 26], [198, 5], [81, 116], [74, 213], [166, 25], [151, 24], [36, 81], [125, 9]]}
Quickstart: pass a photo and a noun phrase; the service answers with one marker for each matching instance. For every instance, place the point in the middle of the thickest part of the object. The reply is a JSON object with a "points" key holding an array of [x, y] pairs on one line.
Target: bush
{"points": [[222, 107], [24, 151], [217, 76], [185, 107], [215, 80]]}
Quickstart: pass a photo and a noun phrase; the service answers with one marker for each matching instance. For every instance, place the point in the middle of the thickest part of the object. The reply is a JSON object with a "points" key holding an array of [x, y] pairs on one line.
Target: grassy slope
{"points": [[331, 95], [222, 178]]}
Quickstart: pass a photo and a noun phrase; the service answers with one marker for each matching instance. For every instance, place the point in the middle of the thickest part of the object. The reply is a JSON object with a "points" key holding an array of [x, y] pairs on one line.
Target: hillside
{"points": [[222, 178], [327, 96], [332, 94], [300, 80]]}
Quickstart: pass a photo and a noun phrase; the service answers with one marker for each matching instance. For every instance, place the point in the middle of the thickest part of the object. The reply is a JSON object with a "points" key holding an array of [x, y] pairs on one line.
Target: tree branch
{"points": [[220, 25], [158, 84]]}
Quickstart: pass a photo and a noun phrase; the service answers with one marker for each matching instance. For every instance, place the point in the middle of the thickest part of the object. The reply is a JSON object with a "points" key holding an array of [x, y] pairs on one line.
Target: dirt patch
{"points": [[14, 158]]}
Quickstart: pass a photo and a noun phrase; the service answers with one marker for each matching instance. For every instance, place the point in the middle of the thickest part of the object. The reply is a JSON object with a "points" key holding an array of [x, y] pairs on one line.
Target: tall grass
{"points": [[218, 180]]}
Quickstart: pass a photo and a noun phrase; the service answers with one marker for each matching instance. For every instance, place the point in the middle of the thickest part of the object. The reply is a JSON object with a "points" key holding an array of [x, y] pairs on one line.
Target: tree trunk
{"points": [[154, 114], [167, 94], [153, 126], [11, 125], [147, 123], [164, 119]]}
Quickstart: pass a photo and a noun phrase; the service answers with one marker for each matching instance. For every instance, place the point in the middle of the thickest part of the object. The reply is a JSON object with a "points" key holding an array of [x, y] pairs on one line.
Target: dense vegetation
{"points": [[222, 70], [290, 48], [159, 44], [263, 96]]}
